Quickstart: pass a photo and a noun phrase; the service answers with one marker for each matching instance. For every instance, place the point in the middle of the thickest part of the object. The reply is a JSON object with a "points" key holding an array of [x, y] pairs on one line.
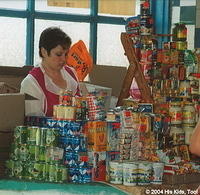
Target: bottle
{"points": [[175, 112], [189, 113], [179, 32]]}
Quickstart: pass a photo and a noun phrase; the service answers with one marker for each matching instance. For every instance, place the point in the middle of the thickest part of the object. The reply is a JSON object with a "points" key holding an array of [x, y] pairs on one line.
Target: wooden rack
{"points": [[134, 71]]}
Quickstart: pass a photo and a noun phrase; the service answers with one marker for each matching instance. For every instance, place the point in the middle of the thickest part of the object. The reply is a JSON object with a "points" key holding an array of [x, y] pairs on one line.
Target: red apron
{"points": [[51, 98]]}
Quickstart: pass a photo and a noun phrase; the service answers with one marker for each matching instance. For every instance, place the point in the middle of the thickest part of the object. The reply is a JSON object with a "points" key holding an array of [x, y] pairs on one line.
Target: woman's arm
{"points": [[195, 140], [33, 107]]}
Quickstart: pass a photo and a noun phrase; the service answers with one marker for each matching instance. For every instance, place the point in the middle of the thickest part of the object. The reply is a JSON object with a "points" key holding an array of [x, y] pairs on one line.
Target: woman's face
{"points": [[56, 59]]}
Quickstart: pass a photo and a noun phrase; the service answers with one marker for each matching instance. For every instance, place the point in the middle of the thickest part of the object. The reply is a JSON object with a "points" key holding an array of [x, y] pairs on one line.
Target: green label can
{"points": [[23, 152], [46, 171], [34, 152], [61, 174], [18, 168], [20, 134], [42, 153], [34, 135], [52, 137], [43, 132], [52, 172], [36, 170]]}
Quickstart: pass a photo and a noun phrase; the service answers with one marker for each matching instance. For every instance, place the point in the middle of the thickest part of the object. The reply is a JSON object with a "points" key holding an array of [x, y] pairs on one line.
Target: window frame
{"points": [[30, 14]]}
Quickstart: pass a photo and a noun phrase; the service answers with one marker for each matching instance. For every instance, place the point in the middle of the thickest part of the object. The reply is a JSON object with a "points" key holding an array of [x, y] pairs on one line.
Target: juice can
{"points": [[20, 134], [33, 135]]}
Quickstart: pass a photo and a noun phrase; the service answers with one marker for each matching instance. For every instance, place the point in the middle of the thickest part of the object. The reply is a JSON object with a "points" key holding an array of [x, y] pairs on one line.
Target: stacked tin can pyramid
{"points": [[53, 149], [35, 155]]}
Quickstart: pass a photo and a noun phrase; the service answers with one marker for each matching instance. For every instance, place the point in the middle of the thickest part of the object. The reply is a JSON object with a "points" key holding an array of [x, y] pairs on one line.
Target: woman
{"points": [[195, 140], [46, 81]]}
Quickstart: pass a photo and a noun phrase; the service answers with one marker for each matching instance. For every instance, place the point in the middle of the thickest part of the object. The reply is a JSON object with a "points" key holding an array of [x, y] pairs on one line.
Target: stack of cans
{"points": [[35, 155], [75, 155], [96, 110]]}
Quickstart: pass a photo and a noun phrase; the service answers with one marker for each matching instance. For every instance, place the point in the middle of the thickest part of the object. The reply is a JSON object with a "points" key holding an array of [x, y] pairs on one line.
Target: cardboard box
{"points": [[5, 88], [6, 138], [13, 76], [108, 76], [11, 111]]}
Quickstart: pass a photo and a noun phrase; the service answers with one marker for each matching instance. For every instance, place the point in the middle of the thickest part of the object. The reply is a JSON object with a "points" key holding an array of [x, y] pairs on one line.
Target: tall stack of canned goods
{"points": [[35, 155], [70, 120]]}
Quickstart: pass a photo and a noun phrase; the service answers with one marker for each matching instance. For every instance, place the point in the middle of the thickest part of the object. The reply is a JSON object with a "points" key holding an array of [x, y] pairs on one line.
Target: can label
{"points": [[33, 135], [20, 134], [116, 170]]}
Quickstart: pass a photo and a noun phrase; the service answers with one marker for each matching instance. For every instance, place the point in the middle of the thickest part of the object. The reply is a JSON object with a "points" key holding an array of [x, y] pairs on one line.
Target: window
{"points": [[13, 41], [20, 45]]}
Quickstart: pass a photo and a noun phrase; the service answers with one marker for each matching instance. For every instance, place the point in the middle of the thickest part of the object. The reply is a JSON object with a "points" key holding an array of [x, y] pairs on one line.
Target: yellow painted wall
{"points": [[114, 7]]}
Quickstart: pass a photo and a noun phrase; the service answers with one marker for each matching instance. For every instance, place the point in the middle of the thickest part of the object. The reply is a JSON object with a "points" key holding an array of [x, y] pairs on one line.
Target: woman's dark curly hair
{"points": [[51, 38]]}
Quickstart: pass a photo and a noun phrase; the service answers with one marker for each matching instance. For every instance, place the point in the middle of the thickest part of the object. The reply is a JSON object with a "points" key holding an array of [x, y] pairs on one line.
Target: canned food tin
{"points": [[52, 137], [66, 98], [37, 170], [115, 172], [177, 134], [43, 132], [42, 153], [188, 130], [18, 168], [61, 174], [52, 172], [69, 112], [33, 135], [23, 152], [189, 113], [157, 174], [51, 123], [185, 89], [144, 173], [175, 113], [34, 152], [20, 135], [130, 171], [181, 45]]}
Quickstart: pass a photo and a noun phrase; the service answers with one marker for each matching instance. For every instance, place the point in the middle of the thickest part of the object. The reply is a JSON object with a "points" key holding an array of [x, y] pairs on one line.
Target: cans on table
{"points": [[144, 172], [130, 171], [157, 175], [33, 135], [34, 152], [52, 137], [20, 135], [23, 152], [115, 172]]}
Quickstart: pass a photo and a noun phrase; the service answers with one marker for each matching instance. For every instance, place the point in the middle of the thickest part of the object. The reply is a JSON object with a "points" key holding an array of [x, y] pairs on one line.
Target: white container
{"points": [[130, 171], [144, 172], [189, 113], [175, 112], [157, 175], [115, 172], [188, 133]]}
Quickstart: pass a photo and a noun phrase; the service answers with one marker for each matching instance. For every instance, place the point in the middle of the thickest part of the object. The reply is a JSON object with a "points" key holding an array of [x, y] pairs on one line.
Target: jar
{"points": [[189, 113], [188, 130], [179, 32], [175, 113], [177, 134], [184, 89]]}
